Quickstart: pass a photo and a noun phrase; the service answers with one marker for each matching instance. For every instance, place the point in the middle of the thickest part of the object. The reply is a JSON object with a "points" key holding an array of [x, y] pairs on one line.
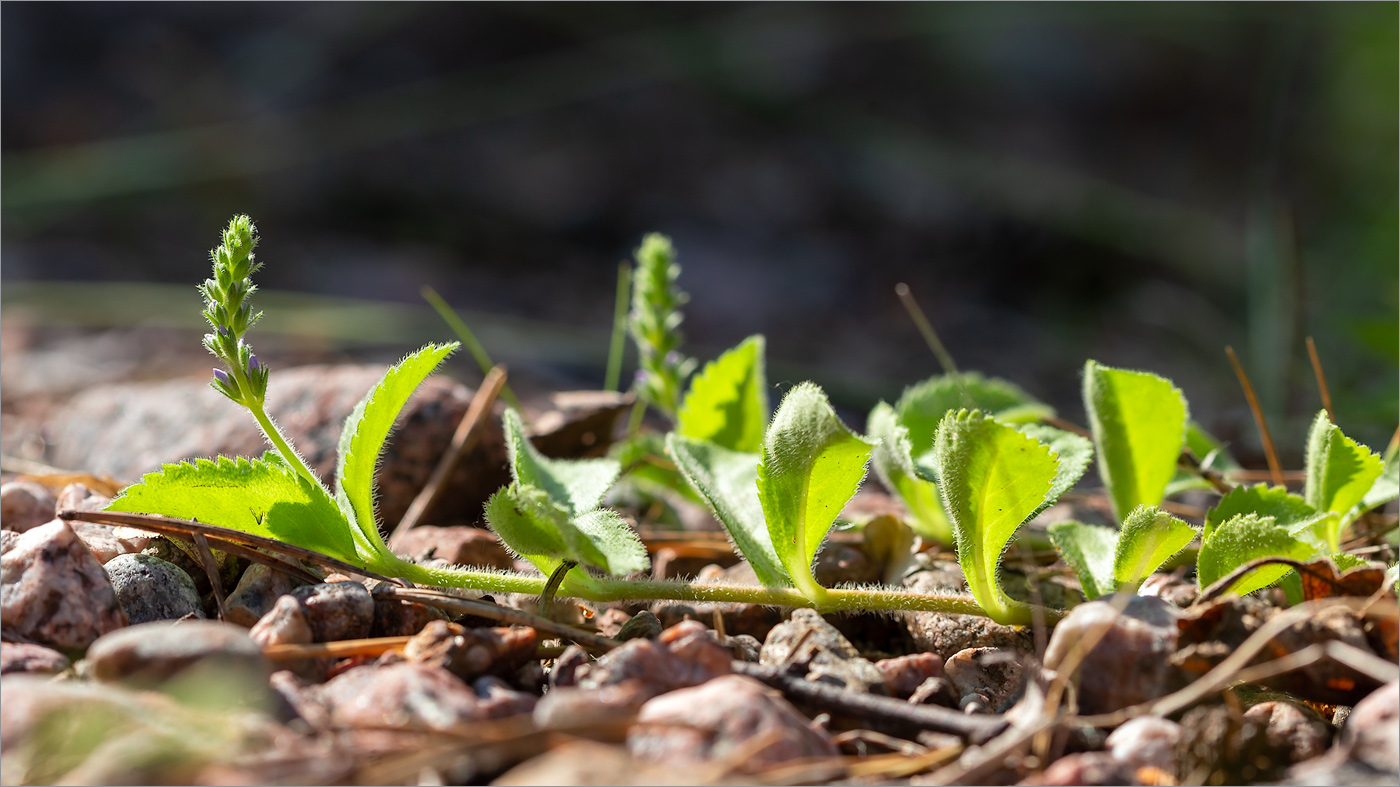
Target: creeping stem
{"points": [[603, 590]]}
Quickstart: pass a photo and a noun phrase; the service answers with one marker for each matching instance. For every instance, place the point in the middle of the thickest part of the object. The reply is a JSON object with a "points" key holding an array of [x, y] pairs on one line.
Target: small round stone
{"points": [[149, 588]]}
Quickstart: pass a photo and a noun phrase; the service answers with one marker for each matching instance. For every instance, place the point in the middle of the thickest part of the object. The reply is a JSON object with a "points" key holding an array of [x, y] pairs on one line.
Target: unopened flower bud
{"points": [[253, 364], [223, 378]]}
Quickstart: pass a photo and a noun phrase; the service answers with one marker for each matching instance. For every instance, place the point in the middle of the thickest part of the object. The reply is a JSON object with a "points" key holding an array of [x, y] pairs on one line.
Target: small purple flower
{"points": [[224, 332], [223, 378], [253, 365]]}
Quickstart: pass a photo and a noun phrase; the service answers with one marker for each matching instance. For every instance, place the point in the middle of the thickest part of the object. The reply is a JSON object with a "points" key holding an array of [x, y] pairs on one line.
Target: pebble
{"points": [[151, 653], [1129, 664], [284, 624], [21, 657], [1294, 731], [8, 538], [610, 622], [149, 588], [1371, 734], [25, 505], [589, 762], [643, 625], [471, 653], [565, 671], [746, 648], [684, 655], [1177, 591], [54, 591], [1094, 768], [574, 708], [755, 620], [396, 618], [991, 674], [1146, 741], [417, 696], [256, 592], [463, 546], [78, 497], [936, 691], [905, 674], [722, 719], [945, 634], [107, 541], [845, 564], [336, 611], [1219, 746], [808, 644]]}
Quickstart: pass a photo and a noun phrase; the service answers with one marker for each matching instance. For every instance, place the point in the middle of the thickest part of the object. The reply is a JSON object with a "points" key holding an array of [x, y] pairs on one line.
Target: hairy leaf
{"points": [[1243, 538], [1139, 425], [728, 401], [576, 484], [258, 497], [529, 524], [1385, 489], [1149, 538], [1073, 453], [1089, 550], [894, 466], [922, 406], [811, 465], [1339, 471], [1286, 509], [366, 429], [728, 482], [993, 478], [604, 539]]}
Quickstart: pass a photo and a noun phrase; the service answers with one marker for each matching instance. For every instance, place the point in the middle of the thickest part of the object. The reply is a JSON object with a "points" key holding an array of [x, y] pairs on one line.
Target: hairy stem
{"points": [[270, 430]]}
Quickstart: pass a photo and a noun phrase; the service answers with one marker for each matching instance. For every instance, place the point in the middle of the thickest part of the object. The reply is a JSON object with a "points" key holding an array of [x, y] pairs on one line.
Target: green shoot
{"points": [[655, 325], [1139, 425], [612, 379]]}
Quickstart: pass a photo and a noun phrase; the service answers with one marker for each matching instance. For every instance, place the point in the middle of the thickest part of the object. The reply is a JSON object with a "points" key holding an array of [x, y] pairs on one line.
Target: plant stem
{"points": [[613, 378], [603, 590], [270, 430]]}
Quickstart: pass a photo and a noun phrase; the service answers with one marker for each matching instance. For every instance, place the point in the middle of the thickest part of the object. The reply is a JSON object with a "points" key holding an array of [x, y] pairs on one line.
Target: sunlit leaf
{"points": [[811, 465], [993, 477], [1244, 538], [576, 484], [727, 403], [1139, 425], [894, 466], [1149, 538], [1089, 550]]}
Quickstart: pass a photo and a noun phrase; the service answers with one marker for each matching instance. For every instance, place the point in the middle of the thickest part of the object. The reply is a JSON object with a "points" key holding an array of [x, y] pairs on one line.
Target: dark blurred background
{"points": [[1142, 184]]}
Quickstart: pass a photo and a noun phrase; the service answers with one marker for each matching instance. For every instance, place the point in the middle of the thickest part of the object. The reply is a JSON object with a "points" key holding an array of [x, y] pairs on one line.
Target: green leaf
{"points": [[529, 524], [1244, 538], [1385, 489], [728, 401], [811, 465], [1339, 471], [1209, 449], [366, 429], [922, 406], [993, 478], [542, 530], [1139, 425], [576, 484], [1149, 538], [894, 466], [606, 540], [1287, 509], [1089, 550], [1073, 453], [258, 497], [728, 482]]}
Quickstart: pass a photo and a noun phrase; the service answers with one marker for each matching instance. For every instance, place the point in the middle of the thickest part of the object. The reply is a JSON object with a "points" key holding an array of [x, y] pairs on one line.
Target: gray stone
{"points": [[905, 674], [257, 590], [808, 644], [417, 696], [17, 657], [284, 624], [336, 611], [151, 653], [54, 591], [686, 654], [571, 707], [1372, 731], [992, 674], [716, 721], [945, 634], [25, 505], [1129, 664], [1294, 731], [642, 625], [107, 541], [149, 588], [1146, 740]]}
